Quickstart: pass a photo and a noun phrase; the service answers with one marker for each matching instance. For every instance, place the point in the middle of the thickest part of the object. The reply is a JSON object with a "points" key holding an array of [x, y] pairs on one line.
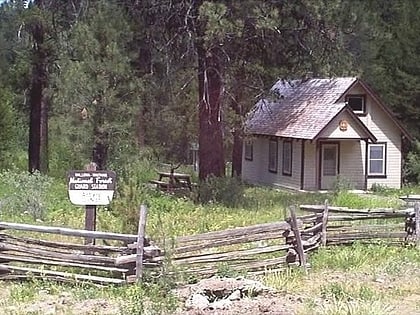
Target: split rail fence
{"points": [[24, 256], [272, 247], [256, 249]]}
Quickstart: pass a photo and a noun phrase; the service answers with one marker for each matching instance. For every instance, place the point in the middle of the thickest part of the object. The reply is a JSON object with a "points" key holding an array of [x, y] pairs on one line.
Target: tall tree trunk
{"points": [[100, 136], [237, 133], [211, 157], [38, 126], [237, 153], [100, 148]]}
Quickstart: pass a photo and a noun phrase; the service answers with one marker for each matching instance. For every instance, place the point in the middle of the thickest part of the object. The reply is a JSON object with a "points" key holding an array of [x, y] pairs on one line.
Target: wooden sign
{"points": [[91, 187]]}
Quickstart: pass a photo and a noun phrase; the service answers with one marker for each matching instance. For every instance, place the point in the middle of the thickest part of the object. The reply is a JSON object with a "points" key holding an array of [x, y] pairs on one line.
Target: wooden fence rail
{"points": [[253, 249], [28, 257]]}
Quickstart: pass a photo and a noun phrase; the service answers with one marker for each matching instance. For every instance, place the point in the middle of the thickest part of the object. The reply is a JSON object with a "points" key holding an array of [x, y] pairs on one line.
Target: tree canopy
{"points": [[100, 80]]}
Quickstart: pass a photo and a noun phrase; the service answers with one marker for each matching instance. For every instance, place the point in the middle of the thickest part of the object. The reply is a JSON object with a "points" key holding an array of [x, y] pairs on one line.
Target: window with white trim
{"points": [[272, 155], [287, 157], [357, 103], [377, 159]]}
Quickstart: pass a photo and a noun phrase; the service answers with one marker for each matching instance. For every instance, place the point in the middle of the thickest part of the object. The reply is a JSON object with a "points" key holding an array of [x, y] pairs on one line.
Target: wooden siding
{"points": [[352, 153], [251, 170], [332, 131], [384, 130], [311, 166], [256, 171]]}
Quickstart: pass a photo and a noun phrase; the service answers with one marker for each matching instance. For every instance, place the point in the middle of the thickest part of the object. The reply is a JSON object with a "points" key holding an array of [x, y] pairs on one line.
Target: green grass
{"points": [[342, 280]]}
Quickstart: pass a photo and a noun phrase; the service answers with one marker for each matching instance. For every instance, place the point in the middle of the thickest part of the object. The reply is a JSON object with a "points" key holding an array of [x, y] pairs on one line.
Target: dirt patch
{"points": [[229, 296], [63, 304]]}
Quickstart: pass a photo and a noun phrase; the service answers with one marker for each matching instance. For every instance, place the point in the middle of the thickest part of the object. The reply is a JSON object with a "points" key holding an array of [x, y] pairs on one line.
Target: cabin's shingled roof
{"points": [[301, 109]]}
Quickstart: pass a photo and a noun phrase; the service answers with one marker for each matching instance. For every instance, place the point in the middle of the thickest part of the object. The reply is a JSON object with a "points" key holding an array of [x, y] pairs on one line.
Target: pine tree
{"points": [[96, 87]]}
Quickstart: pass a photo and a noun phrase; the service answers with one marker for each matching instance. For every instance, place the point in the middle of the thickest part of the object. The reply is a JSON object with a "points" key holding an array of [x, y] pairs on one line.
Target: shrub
{"points": [[342, 184], [228, 191], [24, 193], [411, 169]]}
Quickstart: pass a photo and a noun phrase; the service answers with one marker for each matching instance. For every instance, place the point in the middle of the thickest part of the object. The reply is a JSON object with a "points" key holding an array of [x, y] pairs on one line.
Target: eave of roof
{"points": [[360, 124], [385, 108], [301, 110]]}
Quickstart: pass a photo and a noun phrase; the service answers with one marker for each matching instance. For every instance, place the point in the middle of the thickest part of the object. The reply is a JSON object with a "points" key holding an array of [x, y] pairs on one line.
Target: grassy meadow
{"points": [[358, 279]]}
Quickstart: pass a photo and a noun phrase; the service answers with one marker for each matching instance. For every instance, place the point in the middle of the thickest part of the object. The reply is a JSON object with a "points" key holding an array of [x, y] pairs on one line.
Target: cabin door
{"points": [[329, 165]]}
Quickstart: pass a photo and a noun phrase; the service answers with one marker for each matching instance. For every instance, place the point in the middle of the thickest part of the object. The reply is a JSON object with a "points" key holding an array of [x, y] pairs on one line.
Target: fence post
{"points": [[90, 212], [299, 244], [140, 242], [324, 224], [417, 218]]}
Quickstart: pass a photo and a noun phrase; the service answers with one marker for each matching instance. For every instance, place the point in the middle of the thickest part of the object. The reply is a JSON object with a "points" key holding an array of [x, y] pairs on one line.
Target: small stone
{"points": [[235, 296], [220, 304], [379, 280], [197, 301]]}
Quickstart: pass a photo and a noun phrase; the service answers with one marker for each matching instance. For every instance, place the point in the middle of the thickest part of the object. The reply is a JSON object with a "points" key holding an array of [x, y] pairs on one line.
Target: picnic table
{"points": [[168, 181]]}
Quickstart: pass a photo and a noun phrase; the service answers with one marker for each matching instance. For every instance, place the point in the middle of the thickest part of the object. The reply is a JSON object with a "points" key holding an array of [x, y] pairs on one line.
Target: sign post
{"points": [[91, 188]]}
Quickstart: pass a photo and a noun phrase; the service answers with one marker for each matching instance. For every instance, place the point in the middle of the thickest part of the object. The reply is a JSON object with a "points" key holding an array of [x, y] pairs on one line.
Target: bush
{"points": [[228, 191], [411, 169], [342, 184], [24, 193]]}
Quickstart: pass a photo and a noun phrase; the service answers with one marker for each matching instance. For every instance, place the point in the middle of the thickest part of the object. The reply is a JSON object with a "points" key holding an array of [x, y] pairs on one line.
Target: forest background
{"points": [[111, 81]]}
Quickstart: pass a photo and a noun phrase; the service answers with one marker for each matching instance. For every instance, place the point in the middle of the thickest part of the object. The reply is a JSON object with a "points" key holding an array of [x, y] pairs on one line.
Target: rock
{"points": [[197, 301], [380, 280], [220, 304], [235, 296], [254, 288]]}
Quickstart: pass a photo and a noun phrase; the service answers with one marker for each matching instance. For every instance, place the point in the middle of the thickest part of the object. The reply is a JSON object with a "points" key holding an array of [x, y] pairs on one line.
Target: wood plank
{"points": [[313, 229], [417, 218], [266, 264], [369, 227], [42, 261], [129, 238], [299, 245], [324, 224], [227, 256], [92, 259], [148, 252], [140, 242], [235, 232], [65, 246], [229, 241], [77, 277], [346, 210], [371, 216]]}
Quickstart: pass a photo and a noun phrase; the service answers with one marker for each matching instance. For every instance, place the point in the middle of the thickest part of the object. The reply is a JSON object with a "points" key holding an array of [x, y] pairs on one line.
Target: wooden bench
{"points": [[160, 184]]}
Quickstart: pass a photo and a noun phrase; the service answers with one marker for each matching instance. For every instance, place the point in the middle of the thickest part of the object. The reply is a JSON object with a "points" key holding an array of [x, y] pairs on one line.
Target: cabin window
{"points": [[377, 159], [287, 157], [272, 155], [249, 150], [357, 103]]}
